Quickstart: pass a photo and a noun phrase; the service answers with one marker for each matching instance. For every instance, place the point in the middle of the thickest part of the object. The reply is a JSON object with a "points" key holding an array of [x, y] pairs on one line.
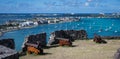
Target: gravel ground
{"points": [[82, 49]]}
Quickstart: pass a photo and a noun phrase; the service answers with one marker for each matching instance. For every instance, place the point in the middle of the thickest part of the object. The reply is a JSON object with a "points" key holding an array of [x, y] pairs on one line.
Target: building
{"points": [[42, 22], [53, 21], [28, 23]]}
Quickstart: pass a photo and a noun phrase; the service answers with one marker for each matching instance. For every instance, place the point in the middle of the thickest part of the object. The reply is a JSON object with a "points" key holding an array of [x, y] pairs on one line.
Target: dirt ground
{"points": [[82, 49]]}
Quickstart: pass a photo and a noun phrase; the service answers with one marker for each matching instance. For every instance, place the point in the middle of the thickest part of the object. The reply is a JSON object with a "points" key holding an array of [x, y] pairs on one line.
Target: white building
{"points": [[28, 23], [53, 21]]}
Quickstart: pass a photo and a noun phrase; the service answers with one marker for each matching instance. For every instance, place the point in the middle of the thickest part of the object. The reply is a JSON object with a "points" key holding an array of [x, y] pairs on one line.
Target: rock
{"points": [[8, 43], [117, 54], [52, 40], [7, 53]]}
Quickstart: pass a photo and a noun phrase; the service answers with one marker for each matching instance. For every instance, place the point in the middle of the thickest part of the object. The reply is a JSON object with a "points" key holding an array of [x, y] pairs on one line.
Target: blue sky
{"points": [[59, 6]]}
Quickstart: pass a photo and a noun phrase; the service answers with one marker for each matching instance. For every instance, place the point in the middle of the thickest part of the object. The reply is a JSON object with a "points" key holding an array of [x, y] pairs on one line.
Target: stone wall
{"points": [[7, 53], [111, 37], [8, 43], [68, 34], [37, 41]]}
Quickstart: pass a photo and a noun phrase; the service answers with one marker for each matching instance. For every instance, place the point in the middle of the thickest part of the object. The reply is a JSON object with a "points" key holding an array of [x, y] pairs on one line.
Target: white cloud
{"points": [[86, 4], [89, 0]]}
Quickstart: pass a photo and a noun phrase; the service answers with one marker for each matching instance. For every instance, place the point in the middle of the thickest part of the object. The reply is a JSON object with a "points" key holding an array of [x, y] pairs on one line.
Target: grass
{"points": [[83, 49]]}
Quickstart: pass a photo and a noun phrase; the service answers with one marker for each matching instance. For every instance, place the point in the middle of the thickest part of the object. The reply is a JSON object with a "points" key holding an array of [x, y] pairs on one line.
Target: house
{"points": [[42, 22], [53, 21], [28, 23]]}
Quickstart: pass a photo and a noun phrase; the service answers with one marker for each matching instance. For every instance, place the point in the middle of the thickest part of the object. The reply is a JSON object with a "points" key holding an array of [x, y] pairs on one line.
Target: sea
{"points": [[101, 26]]}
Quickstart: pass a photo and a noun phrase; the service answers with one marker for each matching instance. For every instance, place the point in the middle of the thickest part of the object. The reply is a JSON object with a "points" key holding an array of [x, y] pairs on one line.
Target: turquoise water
{"points": [[101, 26]]}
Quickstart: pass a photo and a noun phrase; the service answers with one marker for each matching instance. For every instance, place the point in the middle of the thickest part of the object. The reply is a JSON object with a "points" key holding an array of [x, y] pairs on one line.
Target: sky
{"points": [[59, 6]]}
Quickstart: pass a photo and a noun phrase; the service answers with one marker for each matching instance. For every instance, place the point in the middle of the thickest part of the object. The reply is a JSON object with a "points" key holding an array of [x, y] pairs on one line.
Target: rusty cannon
{"points": [[98, 39], [33, 48], [34, 43], [64, 42]]}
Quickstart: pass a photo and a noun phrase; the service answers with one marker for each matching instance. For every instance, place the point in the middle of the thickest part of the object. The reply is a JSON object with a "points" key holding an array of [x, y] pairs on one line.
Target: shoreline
{"points": [[11, 27], [17, 28]]}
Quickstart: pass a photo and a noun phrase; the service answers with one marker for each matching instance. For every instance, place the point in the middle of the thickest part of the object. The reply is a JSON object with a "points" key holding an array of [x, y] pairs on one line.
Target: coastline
{"points": [[15, 25], [8, 30], [13, 29]]}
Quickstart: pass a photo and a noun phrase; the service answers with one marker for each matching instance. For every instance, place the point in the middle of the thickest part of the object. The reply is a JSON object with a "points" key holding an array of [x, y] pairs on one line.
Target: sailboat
{"points": [[115, 31], [90, 27], [106, 29], [100, 30]]}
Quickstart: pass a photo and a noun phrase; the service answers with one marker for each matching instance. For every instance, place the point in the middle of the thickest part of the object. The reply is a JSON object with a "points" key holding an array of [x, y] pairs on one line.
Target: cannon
{"points": [[98, 39], [35, 43], [64, 42], [31, 49], [34, 48]]}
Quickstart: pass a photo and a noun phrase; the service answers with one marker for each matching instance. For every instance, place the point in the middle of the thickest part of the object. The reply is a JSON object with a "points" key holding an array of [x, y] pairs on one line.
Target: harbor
{"points": [[91, 25], [59, 29]]}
